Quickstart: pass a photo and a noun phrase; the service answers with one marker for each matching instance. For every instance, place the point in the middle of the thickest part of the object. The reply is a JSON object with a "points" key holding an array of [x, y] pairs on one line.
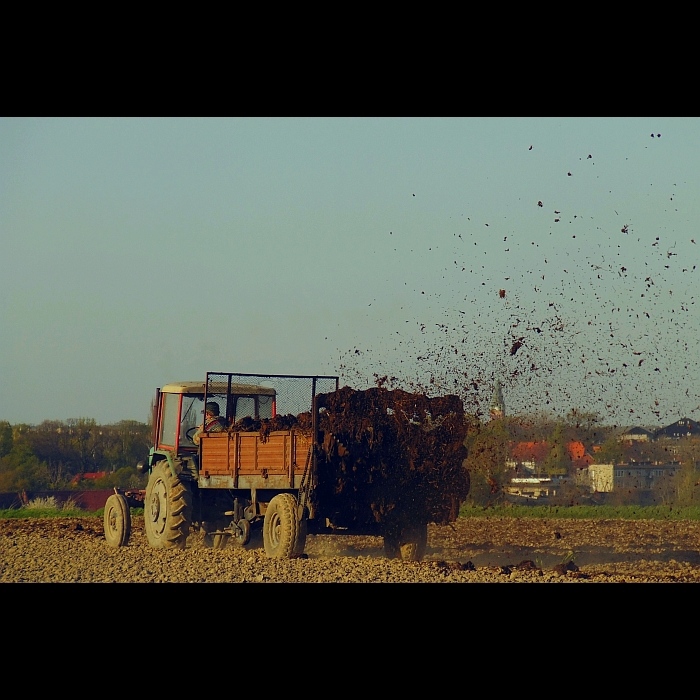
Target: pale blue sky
{"points": [[139, 251]]}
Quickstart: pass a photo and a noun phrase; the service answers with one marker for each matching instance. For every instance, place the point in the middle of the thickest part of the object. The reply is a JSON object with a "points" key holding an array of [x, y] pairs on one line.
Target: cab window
{"points": [[192, 416], [265, 406], [245, 407], [168, 421]]}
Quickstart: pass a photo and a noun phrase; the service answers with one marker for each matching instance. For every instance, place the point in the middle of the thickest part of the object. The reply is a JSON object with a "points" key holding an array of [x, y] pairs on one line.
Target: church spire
{"points": [[497, 409]]}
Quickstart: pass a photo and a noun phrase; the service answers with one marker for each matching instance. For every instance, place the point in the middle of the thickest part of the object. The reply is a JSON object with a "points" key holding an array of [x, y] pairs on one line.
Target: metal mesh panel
{"points": [[294, 393]]}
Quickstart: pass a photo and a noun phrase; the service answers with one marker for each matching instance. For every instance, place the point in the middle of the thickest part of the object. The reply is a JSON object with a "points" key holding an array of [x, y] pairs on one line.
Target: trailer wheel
{"points": [[409, 545], [392, 550], [117, 521], [167, 509], [414, 542], [281, 528]]}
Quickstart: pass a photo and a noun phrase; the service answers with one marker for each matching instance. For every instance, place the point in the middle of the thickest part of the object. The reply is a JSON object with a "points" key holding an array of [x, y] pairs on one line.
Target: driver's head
{"points": [[212, 408]]}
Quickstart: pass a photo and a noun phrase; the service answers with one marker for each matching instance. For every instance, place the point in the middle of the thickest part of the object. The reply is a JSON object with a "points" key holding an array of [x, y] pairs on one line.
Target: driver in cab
{"points": [[213, 423]]}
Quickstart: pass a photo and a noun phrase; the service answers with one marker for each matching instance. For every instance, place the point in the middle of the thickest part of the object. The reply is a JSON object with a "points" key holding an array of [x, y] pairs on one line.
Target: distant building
{"points": [[531, 488], [497, 409], [578, 454], [636, 435], [599, 477], [529, 456], [685, 427], [640, 476]]}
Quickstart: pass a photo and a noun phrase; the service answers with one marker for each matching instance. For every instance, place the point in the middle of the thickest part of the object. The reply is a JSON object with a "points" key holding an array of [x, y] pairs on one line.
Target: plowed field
{"points": [[472, 550]]}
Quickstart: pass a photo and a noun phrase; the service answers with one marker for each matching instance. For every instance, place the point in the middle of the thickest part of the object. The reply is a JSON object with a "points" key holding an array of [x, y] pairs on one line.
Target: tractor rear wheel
{"points": [[117, 521], [167, 509], [281, 532]]}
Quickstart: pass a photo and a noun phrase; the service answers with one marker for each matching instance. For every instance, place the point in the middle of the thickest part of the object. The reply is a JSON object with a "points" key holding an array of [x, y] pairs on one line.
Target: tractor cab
{"points": [[179, 410]]}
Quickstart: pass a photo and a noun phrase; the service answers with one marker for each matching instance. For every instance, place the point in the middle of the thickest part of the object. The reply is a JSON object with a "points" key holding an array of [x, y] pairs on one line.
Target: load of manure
{"points": [[391, 455]]}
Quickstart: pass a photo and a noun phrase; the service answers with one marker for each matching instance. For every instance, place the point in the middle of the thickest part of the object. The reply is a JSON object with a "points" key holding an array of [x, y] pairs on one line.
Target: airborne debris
{"points": [[597, 277], [516, 346]]}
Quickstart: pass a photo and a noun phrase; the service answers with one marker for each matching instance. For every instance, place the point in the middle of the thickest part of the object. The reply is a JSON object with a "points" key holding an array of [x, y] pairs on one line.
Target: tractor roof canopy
{"points": [[217, 388]]}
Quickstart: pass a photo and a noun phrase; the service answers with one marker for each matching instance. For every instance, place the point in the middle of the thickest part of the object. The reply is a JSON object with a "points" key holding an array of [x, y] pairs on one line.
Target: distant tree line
{"points": [[51, 455]]}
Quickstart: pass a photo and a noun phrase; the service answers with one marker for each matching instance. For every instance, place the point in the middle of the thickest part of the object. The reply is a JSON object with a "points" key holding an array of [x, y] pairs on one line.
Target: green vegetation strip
{"points": [[584, 512], [52, 513], [26, 513], [50, 508]]}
